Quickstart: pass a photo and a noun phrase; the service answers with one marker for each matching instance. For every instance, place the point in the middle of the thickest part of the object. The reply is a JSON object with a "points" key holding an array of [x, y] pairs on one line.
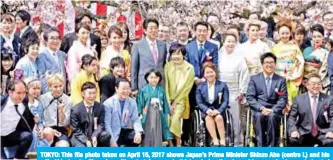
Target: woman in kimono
{"points": [[114, 50], [316, 56], [179, 79], [79, 48], [212, 97], [233, 71], [88, 73], [154, 110], [290, 61], [107, 84], [27, 64]]}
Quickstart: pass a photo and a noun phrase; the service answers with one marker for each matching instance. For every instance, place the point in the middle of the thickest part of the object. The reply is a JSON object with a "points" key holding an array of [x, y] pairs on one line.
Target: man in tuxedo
{"points": [[17, 121], [310, 120], [146, 54], [25, 31], [267, 96], [87, 120], [71, 37]]}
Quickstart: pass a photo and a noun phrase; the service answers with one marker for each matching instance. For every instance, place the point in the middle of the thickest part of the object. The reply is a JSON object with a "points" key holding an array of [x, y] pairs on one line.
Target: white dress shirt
{"points": [[311, 99], [10, 118], [23, 30], [151, 47], [211, 93]]}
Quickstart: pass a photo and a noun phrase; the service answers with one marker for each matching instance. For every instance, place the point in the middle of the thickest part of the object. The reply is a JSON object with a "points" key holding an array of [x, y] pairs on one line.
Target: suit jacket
{"points": [[16, 47], [300, 117], [80, 121], [142, 61], [258, 97], [192, 55], [221, 97], [47, 64], [71, 37], [28, 116], [28, 33], [330, 70], [115, 120]]}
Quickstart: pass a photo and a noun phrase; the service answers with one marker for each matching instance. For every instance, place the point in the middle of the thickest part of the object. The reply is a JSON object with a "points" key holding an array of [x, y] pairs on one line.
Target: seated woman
{"points": [[88, 73], [107, 84], [56, 106], [212, 97]]}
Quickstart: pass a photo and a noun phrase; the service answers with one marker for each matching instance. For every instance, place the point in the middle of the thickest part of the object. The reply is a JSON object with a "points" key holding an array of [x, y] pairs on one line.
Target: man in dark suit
{"points": [[22, 22], [146, 54], [310, 120], [267, 96], [330, 71], [198, 52], [87, 120], [71, 37], [16, 120]]}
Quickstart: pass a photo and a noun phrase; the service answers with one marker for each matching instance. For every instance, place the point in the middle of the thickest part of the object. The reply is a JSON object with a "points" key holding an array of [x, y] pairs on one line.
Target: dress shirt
{"points": [[23, 30], [10, 118], [211, 93], [150, 45]]}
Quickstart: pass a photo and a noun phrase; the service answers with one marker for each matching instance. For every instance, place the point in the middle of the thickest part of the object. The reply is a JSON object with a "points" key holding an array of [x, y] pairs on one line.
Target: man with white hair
{"points": [[263, 34]]}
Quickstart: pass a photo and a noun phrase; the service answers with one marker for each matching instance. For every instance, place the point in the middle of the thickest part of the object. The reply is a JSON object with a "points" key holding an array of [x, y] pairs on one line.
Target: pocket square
{"points": [[280, 93]]}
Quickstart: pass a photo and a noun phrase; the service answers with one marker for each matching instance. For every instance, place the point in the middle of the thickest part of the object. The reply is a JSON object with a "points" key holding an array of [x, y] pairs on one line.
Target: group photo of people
{"points": [[217, 79]]}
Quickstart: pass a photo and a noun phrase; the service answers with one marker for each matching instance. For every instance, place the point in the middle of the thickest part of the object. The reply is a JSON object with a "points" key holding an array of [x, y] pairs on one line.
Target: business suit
{"points": [[29, 33], [276, 99], [16, 47], [142, 61], [46, 63], [122, 124], [71, 37], [221, 97], [193, 57], [301, 119], [80, 125], [22, 136], [330, 71]]}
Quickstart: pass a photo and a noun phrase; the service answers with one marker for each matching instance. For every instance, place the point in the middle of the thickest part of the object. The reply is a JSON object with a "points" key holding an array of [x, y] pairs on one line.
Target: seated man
{"points": [[87, 120], [17, 121], [57, 107], [121, 116], [267, 95], [304, 130]]}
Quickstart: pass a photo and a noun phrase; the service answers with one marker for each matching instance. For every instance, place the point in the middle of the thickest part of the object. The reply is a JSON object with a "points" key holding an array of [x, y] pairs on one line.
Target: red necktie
{"points": [[314, 130]]}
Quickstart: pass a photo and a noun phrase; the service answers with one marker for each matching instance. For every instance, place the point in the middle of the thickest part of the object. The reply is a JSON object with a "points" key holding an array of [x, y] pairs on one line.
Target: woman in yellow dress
{"points": [[115, 50], [290, 61], [179, 79], [88, 73]]}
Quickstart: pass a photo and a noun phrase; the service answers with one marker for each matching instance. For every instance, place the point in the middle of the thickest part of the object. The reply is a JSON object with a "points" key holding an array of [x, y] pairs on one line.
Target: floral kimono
{"points": [[290, 64], [316, 61], [154, 108]]}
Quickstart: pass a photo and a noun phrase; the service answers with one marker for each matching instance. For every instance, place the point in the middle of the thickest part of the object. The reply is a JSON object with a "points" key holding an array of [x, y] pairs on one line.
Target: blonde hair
{"points": [[32, 82], [52, 78]]}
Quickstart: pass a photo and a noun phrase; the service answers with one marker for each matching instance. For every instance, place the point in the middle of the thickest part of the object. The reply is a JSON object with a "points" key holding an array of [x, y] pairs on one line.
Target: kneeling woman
{"points": [[212, 98]]}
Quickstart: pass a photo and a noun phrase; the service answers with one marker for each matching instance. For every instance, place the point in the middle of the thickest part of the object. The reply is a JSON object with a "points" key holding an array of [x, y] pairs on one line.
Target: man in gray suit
{"points": [[52, 60], [267, 96], [304, 129], [146, 54]]}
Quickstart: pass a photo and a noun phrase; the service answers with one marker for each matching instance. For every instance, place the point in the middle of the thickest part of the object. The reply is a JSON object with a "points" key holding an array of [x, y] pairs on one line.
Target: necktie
{"points": [[201, 51], [314, 130], [91, 123], [268, 85], [328, 34], [16, 109], [154, 52]]}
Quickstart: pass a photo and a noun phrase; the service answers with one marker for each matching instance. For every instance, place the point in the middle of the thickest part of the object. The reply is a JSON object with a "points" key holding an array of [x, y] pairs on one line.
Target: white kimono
{"points": [[233, 70]]}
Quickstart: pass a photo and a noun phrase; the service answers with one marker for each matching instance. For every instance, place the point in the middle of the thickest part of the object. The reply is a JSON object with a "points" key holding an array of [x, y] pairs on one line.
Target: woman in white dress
{"points": [[233, 70]]}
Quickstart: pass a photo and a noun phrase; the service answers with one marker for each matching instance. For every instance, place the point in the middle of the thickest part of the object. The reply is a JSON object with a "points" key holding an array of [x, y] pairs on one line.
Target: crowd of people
{"points": [[93, 88]]}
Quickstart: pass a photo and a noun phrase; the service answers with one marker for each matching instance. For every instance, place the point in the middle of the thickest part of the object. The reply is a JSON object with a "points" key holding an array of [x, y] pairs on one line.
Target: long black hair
{"points": [[6, 55]]}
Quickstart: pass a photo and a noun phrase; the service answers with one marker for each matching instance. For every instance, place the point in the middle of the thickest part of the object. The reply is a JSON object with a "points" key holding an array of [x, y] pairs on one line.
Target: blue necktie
{"points": [[201, 51], [268, 84]]}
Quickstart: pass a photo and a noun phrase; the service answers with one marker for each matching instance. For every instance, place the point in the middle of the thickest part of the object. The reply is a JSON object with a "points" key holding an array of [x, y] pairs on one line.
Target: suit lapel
{"points": [[83, 112], [147, 48], [262, 79], [273, 84], [159, 51], [320, 104], [307, 103], [203, 56], [196, 53], [216, 89], [205, 90]]}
